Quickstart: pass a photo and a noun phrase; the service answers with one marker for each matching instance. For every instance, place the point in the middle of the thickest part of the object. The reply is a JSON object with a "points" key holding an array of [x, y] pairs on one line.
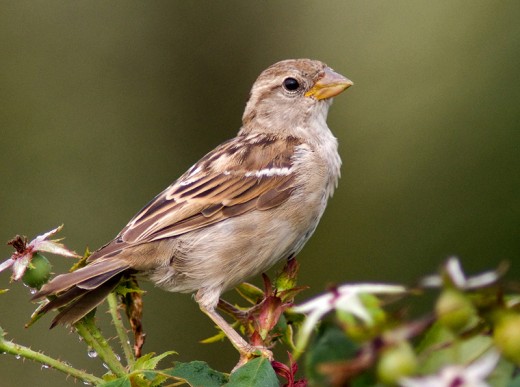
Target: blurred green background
{"points": [[103, 104]]}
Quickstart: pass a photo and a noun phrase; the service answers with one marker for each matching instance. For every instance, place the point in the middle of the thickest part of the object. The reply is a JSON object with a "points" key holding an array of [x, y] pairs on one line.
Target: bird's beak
{"points": [[330, 85]]}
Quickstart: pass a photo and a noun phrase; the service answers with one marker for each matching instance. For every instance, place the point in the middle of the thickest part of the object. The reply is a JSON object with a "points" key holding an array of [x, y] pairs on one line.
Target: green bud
{"points": [[396, 362], [454, 310], [507, 336], [38, 272]]}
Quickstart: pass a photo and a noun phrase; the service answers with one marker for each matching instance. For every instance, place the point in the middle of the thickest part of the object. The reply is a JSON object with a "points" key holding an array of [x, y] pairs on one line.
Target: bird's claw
{"points": [[251, 352]]}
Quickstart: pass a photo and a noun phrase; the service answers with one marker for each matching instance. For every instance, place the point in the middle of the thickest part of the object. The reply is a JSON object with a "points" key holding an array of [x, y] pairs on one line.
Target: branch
{"points": [[121, 331], [27, 353], [92, 337]]}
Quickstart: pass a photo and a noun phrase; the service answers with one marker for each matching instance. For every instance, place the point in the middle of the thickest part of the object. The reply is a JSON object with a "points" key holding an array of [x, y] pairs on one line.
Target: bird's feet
{"points": [[250, 352]]}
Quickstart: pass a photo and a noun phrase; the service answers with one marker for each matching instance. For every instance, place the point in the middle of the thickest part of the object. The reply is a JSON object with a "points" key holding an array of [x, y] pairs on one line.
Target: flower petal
{"points": [[454, 271], [6, 264], [55, 248], [41, 243], [19, 266]]}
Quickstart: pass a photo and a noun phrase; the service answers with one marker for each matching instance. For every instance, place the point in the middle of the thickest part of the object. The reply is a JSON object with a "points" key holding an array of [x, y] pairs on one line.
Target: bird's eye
{"points": [[291, 84]]}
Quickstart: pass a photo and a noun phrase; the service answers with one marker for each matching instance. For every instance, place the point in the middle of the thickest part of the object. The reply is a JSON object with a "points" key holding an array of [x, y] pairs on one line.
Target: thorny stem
{"points": [[121, 330], [97, 342], [27, 353]]}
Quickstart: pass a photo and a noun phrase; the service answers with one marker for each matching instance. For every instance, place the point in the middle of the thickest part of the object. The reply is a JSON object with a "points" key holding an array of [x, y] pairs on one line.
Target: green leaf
{"points": [[515, 382], [127, 287], [256, 373], [197, 374], [435, 336], [149, 362], [441, 348], [330, 345], [250, 292], [82, 261], [121, 382], [215, 338], [2, 291], [502, 374]]}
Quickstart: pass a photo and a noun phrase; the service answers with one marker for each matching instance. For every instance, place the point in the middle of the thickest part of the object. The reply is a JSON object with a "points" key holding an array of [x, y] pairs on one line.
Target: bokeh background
{"points": [[103, 104]]}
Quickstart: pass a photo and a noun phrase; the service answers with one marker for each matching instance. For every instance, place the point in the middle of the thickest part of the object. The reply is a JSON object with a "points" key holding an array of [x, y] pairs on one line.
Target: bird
{"points": [[251, 202]]}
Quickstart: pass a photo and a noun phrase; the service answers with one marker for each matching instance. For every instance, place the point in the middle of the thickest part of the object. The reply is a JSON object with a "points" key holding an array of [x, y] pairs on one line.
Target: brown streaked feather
{"points": [[62, 299], [272, 198], [237, 209], [94, 282], [237, 190], [220, 181], [212, 210], [65, 281], [84, 303]]}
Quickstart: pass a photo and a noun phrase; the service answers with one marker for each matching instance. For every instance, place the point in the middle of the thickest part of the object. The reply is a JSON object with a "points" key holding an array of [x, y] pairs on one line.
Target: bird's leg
{"points": [[246, 350]]}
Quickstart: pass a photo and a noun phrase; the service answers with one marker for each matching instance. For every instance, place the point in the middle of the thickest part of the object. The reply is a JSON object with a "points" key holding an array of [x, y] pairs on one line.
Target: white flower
{"points": [[345, 298], [453, 270], [25, 251], [473, 375]]}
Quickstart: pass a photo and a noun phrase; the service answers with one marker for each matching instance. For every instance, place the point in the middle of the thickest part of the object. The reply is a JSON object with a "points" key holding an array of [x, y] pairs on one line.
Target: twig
{"points": [[27, 353], [121, 331], [92, 337]]}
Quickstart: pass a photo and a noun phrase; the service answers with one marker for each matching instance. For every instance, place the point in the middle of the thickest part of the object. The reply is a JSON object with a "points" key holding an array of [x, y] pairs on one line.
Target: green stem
{"points": [[27, 353], [93, 338], [120, 328]]}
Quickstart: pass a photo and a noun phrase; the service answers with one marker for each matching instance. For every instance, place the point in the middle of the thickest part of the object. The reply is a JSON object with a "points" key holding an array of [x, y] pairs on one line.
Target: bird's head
{"points": [[291, 94]]}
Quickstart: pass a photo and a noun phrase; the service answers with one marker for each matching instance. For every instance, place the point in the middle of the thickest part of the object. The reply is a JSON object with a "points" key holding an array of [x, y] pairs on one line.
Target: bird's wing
{"points": [[246, 173]]}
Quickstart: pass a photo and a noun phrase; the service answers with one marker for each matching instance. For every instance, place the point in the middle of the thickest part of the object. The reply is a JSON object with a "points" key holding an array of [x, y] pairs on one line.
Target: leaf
{"points": [[127, 287], [256, 373], [502, 375], [330, 346], [147, 378], [2, 291], [515, 382], [133, 302], [250, 292], [214, 339], [149, 362], [121, 382], [269, 314], [286, 278], [197, 374], [288, 295], [82, 261], [440, 348], [436, 335]]}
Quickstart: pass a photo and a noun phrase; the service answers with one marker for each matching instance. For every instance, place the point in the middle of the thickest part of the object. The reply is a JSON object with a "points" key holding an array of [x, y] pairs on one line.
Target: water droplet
{"points": [[92, 353], [87, 383], [104, 365], [118, 357], [33, 291], [45, 367], [17, 357]]}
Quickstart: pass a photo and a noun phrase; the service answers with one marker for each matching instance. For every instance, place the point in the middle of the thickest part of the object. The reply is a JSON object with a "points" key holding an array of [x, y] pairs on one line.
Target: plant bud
{"points": [[38, 272], [396, 362], [454, 310], [507, 336]]}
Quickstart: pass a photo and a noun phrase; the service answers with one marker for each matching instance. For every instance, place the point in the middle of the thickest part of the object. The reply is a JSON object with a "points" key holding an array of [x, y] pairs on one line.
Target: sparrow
{"points": [[254, 200]]}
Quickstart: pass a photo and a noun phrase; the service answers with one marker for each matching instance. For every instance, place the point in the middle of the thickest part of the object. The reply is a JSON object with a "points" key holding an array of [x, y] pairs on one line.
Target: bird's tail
{"points": [[79, 292]]}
